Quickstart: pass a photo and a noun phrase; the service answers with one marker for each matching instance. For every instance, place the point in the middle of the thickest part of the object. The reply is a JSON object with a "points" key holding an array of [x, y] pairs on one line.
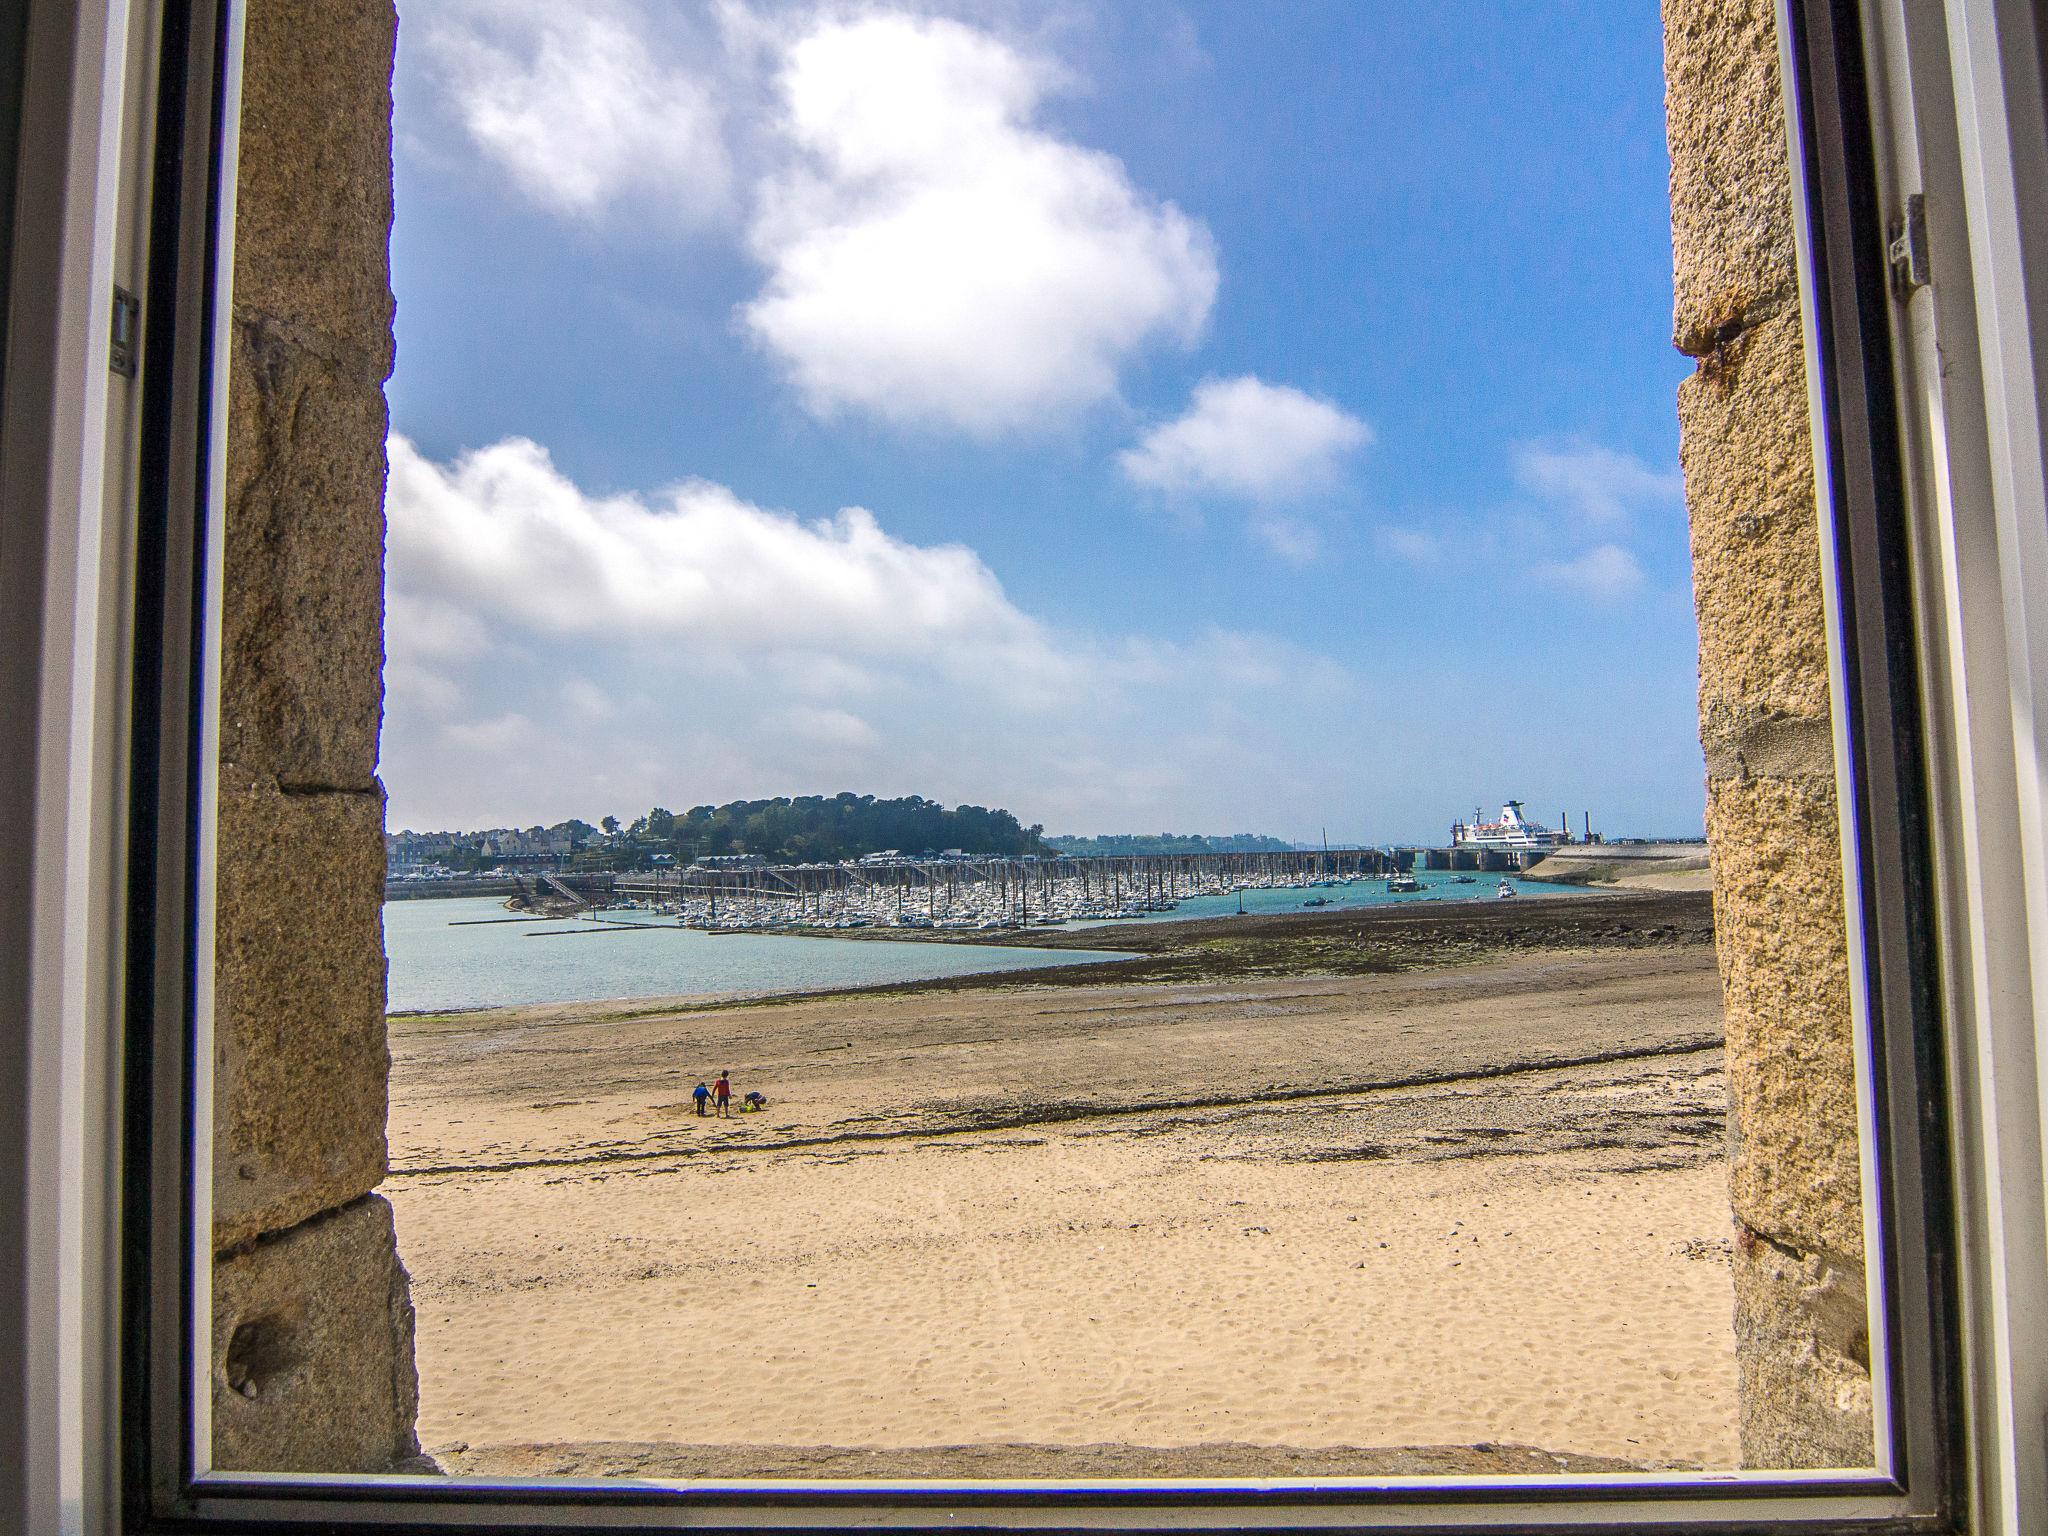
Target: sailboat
{"points": [[1324, 876]]}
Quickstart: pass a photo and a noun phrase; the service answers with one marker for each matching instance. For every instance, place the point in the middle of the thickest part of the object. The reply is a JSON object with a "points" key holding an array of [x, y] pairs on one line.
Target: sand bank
{"points": [[1443, 1207]]}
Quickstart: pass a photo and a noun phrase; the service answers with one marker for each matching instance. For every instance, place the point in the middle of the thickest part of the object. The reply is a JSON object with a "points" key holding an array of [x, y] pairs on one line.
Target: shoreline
{"points": [[1473, 1214], [1363, 941]]}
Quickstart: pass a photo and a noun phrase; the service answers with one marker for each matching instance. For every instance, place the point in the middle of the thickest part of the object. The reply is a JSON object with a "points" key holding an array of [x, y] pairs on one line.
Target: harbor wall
{"points": [[1492, 861], [1745, 447], [487, 885]]}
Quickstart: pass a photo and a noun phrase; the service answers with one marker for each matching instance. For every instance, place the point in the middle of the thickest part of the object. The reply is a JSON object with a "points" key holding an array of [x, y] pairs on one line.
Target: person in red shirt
{"points": [[721, 1094]]}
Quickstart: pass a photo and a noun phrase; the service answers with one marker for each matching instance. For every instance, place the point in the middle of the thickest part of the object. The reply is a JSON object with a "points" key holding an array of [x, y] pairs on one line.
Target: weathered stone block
{"points": [[1747, 743], [300, 1062], [1731, 194], [302, 615], [1782, 939], [313, 191], [1802, 1346], [1747, 451], [313, 1349]]}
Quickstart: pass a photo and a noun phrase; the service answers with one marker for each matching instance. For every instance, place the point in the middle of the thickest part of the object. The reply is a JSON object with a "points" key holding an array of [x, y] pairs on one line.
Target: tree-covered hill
{"points": [[800, 830], [806, 829], [819, 828]]}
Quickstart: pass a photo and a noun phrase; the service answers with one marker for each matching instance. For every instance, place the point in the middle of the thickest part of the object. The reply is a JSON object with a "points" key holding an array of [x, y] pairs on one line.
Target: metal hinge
{"points": [[126, 340], [1907, 251]]}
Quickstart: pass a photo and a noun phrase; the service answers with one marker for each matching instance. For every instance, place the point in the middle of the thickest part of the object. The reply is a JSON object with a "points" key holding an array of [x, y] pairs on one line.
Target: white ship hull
{"points": [[1513, 833]]}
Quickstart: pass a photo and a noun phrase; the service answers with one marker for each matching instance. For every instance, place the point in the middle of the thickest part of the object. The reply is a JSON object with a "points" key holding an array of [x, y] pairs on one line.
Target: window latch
{"points": [[1907, 250], [124, 344]]}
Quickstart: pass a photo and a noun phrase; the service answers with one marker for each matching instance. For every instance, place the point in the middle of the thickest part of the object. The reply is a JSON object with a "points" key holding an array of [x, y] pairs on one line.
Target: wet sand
{"points": [[1011, 1229]]}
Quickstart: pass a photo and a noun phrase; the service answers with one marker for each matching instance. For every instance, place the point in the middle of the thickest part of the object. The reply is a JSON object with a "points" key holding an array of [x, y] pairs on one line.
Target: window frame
{"points": [[1912, 1243]]}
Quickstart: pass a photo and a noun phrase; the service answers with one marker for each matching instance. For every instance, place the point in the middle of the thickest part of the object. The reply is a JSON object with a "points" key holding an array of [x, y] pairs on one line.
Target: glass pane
{"points": [[1074, 788]]}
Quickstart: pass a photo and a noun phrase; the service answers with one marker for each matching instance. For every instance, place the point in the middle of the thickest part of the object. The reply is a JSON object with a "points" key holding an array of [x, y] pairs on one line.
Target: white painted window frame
{"points": [[1972, 350], [1961, 123]]}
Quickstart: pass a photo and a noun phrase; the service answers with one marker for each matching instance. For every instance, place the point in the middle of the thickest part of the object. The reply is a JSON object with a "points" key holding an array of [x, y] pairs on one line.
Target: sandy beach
{"points": [[1156, 1227]]}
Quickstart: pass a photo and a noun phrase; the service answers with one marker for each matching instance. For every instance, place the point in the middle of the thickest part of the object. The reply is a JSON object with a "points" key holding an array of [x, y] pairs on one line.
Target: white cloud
{"points": [[431, 630], [687, 647], [1414, 545], [504, 534], [409, 684], [828, 727], [1233, 660], [586, 701], [1289, 538], [936, 258], [1583, 507], [1605, 572], [1600, 485], [499, 734], [1212, 728], [934, 255], [580, 107], [1247, 438]]}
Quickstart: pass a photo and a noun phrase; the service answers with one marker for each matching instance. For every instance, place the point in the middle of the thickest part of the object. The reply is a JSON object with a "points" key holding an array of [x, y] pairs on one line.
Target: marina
{"points": [[1004, 895], [470, 952]]}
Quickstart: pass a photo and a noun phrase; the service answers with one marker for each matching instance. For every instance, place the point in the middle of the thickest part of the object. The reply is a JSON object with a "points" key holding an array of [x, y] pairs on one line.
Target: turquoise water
{"points": [[443, 956], [1437, 887], [435, 964]]}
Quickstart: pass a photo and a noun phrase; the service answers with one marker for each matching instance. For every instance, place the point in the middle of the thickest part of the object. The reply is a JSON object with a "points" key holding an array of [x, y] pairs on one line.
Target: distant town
{"points": [[803, 829]]}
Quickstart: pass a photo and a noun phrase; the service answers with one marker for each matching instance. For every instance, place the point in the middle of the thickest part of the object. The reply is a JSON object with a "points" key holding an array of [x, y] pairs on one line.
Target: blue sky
{"points": [[1205, 417]]}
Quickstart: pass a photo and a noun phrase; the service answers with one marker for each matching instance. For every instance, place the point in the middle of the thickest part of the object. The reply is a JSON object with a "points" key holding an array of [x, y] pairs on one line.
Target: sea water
{"points": [[442, 956], [457, 953], [1438, 887]]}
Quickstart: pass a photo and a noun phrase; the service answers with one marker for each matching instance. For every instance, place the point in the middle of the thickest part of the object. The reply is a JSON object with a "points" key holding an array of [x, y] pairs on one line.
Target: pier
{"points": [[1493, 861]]}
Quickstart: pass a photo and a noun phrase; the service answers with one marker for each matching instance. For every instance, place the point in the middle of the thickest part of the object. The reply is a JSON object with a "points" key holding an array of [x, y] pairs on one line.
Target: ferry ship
{"points": [[1513, 833]]}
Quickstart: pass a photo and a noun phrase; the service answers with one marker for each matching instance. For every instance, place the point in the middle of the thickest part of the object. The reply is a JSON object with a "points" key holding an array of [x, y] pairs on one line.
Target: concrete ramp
{"points": [[563, 889]]}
